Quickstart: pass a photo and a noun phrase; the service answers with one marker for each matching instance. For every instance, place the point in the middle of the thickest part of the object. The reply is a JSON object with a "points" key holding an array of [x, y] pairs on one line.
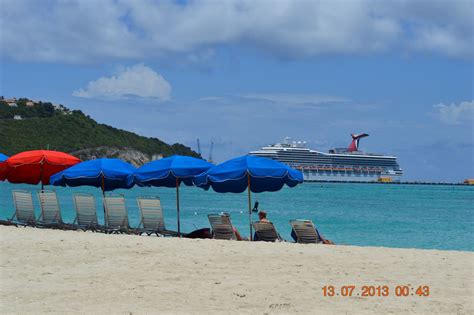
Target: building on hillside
{"points": [[17, 117], [61, 108], [30, 103], [10, 101]]}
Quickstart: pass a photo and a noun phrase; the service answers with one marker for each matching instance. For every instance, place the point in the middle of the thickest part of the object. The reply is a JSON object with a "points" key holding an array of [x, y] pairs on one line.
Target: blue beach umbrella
{"points": [[171, 172], [108, 174], [251, 173], [3, 164]]}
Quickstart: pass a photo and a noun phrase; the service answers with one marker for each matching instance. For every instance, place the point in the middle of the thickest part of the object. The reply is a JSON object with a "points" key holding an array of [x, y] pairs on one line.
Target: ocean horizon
{"points": [[403, 216]]}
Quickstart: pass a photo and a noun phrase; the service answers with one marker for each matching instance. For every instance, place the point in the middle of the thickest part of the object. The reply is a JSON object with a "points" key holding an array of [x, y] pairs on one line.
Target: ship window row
{"points": [[307, 160], [365, 163], [339, 164], [355, 157], [321, 157]]}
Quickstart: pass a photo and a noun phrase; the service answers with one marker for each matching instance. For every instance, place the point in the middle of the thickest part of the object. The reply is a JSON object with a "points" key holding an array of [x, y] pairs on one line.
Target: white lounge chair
{"points": [[86, 212], [116, 214], [152, 220], [265, 231], [24, 209], [305, 232], [221, 226], [50, 210], [151, 214]]}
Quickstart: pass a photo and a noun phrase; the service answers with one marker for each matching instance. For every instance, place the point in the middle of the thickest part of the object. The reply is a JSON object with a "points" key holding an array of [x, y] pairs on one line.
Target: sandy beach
{"points": [[75, 272]]}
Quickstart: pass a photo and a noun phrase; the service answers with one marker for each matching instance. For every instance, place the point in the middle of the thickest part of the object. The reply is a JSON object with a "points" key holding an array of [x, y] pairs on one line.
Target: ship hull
{"points": [[310, 176]]}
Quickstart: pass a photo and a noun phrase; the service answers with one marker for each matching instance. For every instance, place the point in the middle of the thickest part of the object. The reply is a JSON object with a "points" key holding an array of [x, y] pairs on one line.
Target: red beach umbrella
{"points": [[33, 167]]}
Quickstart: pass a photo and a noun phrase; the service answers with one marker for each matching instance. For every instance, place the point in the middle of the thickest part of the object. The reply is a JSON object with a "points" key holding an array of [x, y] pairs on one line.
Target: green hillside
{"points": [[44, 124]]}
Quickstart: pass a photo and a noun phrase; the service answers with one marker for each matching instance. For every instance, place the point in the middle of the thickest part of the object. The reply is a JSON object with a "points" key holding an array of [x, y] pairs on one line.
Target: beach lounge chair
{"points": [[116, 214], [152, 221], [305, 232], [221, 226], [8, 222], [265, 231], [86, 212], [50, 210], [24, 210]]}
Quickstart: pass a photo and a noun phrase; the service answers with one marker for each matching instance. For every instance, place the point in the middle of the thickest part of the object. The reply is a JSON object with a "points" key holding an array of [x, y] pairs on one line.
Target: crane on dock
{"points": [[209, 159], [199, 147], [210, 153]]}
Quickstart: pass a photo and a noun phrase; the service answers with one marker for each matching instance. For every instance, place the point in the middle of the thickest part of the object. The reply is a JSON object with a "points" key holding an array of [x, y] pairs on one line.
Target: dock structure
{"points": [[465, 183]]}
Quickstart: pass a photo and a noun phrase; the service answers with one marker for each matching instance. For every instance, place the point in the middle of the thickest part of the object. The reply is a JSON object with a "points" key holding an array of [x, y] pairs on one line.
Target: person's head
{"points": [[262, 215]]}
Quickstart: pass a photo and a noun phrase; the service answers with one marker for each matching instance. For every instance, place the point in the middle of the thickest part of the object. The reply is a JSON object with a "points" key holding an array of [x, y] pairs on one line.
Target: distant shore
{"points": [[44, 271]]}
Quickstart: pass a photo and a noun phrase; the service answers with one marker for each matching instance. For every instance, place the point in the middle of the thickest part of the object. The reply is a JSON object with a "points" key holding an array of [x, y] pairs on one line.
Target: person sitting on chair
{"points": [[236, 232], [321, 237], [262, 216]]}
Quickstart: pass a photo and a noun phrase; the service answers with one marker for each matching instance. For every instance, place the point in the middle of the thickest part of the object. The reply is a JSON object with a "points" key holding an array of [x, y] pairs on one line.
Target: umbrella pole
{"points": [[42, 190], [102, 186], [41, 177], [177, 206], [250, 207]]}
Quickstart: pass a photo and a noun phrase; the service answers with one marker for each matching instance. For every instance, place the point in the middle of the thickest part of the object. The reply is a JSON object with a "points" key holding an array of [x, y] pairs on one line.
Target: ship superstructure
{"points": [[339, 164]]}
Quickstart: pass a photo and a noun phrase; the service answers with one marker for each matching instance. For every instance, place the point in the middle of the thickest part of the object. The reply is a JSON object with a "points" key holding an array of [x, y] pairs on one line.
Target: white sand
{"points": [[65, 272]]}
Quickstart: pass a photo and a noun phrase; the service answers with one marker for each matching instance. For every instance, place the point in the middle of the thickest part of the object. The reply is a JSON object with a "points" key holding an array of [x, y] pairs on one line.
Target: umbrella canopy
{"points": [[256, 174], [171, 172], [3, 165], [33, 167], [264, 174], [109, 174], [165, 172]]}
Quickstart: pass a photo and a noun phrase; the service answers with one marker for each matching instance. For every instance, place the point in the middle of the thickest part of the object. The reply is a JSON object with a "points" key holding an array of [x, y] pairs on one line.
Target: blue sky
{"points": [[247, 73]]}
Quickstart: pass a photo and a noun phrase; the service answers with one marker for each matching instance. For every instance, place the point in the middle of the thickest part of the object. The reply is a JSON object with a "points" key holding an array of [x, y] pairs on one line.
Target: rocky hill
{"points": [[27, 125], [130, 155]]}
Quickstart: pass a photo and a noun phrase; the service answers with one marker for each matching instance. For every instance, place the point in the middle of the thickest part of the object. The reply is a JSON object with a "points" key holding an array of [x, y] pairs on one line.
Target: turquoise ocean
{"points": [[405, 216]]}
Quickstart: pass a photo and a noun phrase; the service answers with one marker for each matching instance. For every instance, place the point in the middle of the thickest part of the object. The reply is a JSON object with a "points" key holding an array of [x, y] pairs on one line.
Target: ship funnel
{"points": [[354, 146]]}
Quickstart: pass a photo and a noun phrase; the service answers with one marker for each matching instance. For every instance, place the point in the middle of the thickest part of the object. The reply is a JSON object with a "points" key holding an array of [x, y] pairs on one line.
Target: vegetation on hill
{"points": [[45, 125]]}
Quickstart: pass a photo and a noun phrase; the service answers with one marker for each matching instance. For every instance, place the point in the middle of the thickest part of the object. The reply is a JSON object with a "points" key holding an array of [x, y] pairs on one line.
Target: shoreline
{"points": [[68, 271]]}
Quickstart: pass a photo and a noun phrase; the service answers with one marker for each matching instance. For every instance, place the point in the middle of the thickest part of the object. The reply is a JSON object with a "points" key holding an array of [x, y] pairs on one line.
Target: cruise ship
{"points": [[340, 164]]}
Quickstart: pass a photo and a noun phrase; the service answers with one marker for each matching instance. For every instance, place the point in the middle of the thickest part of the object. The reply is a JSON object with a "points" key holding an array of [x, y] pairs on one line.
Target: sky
{"points": [[244, 74]]}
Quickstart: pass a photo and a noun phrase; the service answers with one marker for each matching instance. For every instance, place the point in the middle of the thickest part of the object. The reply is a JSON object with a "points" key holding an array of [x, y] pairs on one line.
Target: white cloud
{"points": [[442, 40], [136, 81], [455, 114], [87, 31]]}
